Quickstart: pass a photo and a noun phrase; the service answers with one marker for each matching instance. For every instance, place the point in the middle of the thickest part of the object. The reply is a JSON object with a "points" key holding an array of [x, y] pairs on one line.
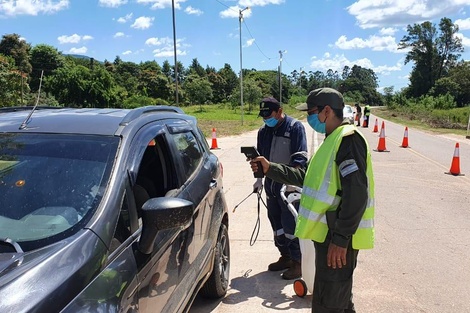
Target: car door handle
{"points": [[213, 184]]}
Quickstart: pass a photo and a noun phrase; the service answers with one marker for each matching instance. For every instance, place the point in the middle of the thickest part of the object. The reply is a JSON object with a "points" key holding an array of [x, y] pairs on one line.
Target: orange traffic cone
{"points": [[376, 127], [364, 121], [214, 140], [381, 146], [455, 166], [404, 143]]}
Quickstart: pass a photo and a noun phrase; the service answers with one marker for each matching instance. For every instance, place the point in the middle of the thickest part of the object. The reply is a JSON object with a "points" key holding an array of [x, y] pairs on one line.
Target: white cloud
{"points": [[376, 43], [338, 62], [32, 7], [386, 13], [166, 48], [119, 34], [463, 24], [127, 52], [249, 42], [389, 31], [465, 40], [258, 3], [192, 11], [143, 22], [81, 50], [112, 3], [233, 11], [158, 41], [124, 19], [161, 4], [73, 38]]}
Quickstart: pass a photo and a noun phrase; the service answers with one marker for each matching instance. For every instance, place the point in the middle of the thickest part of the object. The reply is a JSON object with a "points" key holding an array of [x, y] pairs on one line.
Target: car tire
{"points": [[217, 284]]}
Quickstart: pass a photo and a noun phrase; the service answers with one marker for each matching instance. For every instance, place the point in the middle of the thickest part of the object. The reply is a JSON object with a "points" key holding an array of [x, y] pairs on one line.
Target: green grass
{"points": [[415, 121], [228, 122]]}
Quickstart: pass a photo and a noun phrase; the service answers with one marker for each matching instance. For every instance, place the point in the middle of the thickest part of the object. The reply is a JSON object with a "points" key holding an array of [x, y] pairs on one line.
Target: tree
{"points": [[166, 69], [218, 84], [127, 75], [460, 78], [361, 86], [196, 68], [12, 45], [12, 82], [154, 85], [252, 94], [388, 91], [83, 87], [198, 89], [433, 53], [231, 80], [44, 58]]}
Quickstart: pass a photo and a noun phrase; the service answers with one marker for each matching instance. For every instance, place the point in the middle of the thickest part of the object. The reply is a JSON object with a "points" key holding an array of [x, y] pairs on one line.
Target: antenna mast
{"points": [[26, 121]]}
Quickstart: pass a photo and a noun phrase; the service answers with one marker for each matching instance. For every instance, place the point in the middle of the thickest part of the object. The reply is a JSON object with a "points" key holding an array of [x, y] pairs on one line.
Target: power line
{"points": [[225, 5], [256, 44], [248, 29]]}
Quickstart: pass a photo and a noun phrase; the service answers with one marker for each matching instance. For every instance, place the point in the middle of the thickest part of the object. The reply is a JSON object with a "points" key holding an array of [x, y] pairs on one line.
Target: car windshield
{"points": [[51, 184]]}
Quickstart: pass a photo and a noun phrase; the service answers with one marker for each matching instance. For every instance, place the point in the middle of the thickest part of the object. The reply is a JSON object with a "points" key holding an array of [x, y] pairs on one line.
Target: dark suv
{"points": [[109, 210]]}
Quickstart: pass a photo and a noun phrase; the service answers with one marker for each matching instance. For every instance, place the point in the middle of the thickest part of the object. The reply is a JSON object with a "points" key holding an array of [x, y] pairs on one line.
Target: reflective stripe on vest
{"points": [[319, 194]]}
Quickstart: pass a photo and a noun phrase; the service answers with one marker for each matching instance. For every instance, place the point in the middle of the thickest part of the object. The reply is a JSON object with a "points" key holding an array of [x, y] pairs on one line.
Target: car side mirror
{"points": [[160, 214]]}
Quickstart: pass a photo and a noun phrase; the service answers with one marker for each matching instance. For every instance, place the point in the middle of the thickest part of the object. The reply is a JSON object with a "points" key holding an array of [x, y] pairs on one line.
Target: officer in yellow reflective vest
{"points": [[337, 203]]}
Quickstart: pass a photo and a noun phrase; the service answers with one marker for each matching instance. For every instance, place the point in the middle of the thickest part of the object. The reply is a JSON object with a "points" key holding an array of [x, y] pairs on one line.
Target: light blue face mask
{"points": [[315, 123], [270, 122]]}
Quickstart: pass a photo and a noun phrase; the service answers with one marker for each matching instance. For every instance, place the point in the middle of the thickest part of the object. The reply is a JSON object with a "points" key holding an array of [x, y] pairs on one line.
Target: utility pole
{"points": [[240, 17], [280, 74], [300, 80], [174, 51]]}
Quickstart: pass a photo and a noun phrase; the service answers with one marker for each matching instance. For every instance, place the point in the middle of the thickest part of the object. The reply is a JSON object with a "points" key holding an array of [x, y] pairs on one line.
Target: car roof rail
{"points": [[26, 108], [135, 113]]}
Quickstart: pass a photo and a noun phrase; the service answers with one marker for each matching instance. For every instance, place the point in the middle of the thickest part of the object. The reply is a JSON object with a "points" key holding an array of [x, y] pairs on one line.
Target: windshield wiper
{"points": [[14, 244]]}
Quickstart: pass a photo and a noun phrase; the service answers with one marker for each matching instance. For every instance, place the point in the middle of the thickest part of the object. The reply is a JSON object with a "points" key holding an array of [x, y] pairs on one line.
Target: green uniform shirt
{"points": [[354, 187]]}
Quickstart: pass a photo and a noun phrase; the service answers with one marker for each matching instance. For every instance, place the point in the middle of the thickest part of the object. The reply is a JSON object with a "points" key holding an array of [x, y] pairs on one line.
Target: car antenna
{"points": [[26, 121]]}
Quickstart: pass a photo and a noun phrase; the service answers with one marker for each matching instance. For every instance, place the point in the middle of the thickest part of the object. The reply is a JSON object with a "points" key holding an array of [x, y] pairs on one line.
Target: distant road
{"points": [[420, 262]]}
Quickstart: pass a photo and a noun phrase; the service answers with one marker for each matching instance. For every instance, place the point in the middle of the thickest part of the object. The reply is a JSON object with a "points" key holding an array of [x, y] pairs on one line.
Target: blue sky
{"points": [[312, 34]]}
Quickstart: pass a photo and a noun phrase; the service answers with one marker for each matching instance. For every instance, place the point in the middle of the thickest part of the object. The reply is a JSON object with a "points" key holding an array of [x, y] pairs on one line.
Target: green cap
{"points": [[322, 97]]}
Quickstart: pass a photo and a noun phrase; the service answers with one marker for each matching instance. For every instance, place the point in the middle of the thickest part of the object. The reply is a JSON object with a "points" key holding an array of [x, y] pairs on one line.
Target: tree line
{"points": [[70, 80]]}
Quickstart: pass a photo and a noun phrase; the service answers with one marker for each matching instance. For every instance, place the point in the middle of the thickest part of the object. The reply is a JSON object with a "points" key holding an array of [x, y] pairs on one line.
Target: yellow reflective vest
{"points": [[319, 193]]}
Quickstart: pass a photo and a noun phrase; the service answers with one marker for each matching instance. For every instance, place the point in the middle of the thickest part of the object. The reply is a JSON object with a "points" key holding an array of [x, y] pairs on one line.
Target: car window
{"points": [[51, 184], [189, 150]]}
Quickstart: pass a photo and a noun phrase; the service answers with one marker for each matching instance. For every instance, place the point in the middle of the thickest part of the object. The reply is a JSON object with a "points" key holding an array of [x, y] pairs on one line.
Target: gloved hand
{"points": [[258, 185]]}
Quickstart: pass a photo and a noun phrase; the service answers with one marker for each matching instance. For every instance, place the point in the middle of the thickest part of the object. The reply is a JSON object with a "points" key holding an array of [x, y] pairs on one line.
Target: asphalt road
{"points": [[421, 259]]}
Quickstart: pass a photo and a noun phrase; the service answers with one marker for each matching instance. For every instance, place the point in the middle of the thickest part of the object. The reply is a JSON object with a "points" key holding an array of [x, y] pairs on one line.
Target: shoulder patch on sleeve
{"points": [[347, 167]]}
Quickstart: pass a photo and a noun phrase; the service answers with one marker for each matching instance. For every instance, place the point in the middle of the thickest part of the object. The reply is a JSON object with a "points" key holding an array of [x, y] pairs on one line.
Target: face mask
{"points": [[315, 123], [271, 122]]}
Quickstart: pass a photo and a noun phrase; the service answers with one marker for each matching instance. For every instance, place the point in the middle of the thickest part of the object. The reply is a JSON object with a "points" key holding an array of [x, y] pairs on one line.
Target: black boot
{"points": [[281, 264], [295, 271]]}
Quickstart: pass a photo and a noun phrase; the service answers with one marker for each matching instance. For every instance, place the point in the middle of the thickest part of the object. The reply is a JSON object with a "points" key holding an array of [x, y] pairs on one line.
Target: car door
{"points": [[153, 174], [198, 171]]}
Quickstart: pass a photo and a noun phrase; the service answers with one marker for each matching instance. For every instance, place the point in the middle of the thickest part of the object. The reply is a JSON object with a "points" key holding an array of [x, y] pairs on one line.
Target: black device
{"points": [[251, 153]]}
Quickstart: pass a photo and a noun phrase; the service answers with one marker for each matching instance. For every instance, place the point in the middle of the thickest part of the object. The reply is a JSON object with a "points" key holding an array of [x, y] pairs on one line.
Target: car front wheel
{"points": [[217, 284]]}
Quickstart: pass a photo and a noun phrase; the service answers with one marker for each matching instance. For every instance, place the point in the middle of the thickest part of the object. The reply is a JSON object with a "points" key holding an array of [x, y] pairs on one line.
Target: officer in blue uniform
{"points": [[281, 139]]}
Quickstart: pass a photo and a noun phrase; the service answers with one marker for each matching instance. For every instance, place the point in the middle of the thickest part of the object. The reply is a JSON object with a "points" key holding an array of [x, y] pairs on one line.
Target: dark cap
{"points": [[267, 106], [322, 97]]}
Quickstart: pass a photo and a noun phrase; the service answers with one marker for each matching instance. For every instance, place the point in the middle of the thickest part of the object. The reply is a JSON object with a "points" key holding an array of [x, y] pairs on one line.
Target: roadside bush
{"points": [[455, 118], [137, 102]]}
